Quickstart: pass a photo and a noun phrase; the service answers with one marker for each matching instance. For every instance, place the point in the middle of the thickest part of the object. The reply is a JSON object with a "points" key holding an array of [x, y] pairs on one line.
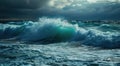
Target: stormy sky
{"points": [[70, 9]]}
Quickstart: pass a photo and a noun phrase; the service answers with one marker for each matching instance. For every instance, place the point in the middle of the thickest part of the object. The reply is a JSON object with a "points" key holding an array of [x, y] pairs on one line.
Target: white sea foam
{"points": [[50, 30]]}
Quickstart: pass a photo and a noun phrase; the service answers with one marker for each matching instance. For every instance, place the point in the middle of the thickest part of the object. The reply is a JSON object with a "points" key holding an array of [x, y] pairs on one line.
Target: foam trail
{"points": [[48, 30]]}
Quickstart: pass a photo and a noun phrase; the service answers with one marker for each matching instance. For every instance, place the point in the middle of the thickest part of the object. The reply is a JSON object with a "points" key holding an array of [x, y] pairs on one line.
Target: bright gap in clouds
{"points": [[60, 4], [92, 1], [103, 1]]}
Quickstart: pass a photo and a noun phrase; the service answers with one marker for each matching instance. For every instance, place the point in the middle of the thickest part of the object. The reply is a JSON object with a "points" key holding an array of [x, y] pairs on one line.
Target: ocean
{"points": [[58, 42]]}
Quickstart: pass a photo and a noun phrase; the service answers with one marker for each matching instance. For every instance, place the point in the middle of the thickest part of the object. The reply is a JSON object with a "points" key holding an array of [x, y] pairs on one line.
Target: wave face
{"points": [[48, 30]]}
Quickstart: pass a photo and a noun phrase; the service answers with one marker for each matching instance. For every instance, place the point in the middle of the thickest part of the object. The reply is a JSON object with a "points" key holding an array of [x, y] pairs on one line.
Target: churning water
{"points": [[57, 42]]}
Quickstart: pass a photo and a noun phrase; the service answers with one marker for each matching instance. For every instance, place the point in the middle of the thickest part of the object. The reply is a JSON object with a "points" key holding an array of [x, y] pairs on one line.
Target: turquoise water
{"points": [[48, 30], [57, 42]]}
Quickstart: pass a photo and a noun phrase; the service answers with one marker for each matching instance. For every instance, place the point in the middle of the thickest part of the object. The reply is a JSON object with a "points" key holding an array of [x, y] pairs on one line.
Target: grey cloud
{"points": [[39, 8], [20, 8], [22, 4]]}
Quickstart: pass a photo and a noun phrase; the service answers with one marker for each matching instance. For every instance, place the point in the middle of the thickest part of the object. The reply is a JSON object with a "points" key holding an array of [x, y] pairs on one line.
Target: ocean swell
{"points": [[52, 30]]}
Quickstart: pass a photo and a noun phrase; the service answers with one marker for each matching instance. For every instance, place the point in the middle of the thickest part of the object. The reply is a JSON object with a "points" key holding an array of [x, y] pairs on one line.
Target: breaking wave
{"points": [[48, 30]]}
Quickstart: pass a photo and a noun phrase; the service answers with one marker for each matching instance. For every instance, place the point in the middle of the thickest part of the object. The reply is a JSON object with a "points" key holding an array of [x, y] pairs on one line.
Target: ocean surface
{"points": [[58, 42]]}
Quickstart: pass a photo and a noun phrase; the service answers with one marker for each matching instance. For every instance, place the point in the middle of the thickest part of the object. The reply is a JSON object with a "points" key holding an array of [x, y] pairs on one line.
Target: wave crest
{"points": [[48, 30]]}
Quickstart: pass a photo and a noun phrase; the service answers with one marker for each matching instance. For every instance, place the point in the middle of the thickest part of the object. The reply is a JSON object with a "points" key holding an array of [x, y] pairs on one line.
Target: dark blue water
{"points": [[57, 42]]}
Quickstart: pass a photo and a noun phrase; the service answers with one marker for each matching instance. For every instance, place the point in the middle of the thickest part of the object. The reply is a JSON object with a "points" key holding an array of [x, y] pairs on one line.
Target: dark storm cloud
{"points": [[20, 8], [102, 10], [22, 4], [71, 9], [94, 11]]}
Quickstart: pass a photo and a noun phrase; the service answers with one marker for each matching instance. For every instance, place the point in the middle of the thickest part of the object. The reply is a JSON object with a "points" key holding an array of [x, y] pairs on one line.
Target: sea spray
{"points": [[52, 30]]}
